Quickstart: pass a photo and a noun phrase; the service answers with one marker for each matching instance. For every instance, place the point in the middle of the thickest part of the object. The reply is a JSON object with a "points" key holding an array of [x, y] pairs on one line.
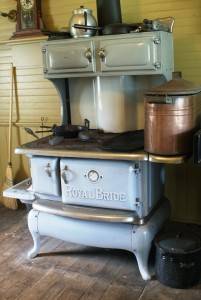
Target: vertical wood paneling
{"points": [[37, 97]]}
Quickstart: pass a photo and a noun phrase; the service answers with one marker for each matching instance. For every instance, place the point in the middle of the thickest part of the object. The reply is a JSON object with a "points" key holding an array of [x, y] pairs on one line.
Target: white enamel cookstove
{"points": [[83, 194]]}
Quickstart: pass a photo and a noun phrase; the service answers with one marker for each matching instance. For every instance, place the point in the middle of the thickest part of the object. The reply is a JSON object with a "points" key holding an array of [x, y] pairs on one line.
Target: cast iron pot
{"points": [[178, 259]]}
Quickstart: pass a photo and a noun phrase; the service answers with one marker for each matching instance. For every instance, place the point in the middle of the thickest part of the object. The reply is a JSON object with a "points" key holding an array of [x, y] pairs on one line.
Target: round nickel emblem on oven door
{"points": [[93, 176]]}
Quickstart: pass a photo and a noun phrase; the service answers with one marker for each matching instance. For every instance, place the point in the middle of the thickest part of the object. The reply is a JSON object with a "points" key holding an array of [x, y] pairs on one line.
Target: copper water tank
{"points": [[171, 117]]}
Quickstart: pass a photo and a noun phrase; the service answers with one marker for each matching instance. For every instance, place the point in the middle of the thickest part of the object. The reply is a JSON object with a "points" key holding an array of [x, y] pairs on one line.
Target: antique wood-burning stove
{"points": [[79, 192]]}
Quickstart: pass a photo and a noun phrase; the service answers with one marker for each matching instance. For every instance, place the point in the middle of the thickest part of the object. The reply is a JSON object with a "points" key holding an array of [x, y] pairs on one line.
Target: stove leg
{"points": [[33, 228], [143, 236], [36, 248], [142, 257]]}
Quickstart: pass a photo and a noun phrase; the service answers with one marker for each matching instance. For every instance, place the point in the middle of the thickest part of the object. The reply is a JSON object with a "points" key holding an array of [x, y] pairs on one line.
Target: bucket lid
{"points": [[179, 242], [81, 10], [175, 87]]}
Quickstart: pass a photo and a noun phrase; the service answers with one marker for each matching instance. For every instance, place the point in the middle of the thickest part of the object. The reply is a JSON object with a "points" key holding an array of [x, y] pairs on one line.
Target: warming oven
{"points": [[79, 191]]}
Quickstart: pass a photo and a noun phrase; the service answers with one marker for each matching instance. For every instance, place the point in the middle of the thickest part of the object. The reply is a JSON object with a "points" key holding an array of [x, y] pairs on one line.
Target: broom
{"points": [[10, 202]]}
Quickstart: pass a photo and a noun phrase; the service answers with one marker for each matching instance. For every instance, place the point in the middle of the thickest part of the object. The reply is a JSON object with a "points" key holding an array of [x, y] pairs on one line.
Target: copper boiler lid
{"points": [[175, 87]]}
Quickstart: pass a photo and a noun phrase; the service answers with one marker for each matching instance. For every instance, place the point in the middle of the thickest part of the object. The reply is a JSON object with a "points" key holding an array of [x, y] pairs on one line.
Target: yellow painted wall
{"points": [[37, 97]]}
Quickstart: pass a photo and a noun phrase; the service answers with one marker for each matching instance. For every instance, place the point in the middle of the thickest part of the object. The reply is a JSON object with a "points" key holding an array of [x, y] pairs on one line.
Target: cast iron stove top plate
{"points": [[125, 142]]}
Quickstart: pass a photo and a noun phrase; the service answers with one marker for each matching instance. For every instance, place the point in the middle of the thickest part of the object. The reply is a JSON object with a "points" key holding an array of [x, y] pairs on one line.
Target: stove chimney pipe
{"points": [[108, 12]]}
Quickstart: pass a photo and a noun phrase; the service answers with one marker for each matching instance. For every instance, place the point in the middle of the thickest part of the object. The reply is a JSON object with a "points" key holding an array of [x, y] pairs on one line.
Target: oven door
{"points": [[45, 175], [98, 183]]}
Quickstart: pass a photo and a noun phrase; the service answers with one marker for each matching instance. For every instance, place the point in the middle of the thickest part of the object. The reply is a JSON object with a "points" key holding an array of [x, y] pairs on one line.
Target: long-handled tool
{"points": [[30, 131], [9, 202]]}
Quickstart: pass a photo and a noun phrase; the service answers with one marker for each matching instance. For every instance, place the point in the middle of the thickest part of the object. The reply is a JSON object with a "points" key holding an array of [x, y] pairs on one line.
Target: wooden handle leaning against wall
{"points": [[9, 180]]}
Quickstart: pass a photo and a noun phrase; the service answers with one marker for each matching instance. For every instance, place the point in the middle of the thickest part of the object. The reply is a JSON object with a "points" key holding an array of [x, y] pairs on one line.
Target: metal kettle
{"points": [[82, 16]]}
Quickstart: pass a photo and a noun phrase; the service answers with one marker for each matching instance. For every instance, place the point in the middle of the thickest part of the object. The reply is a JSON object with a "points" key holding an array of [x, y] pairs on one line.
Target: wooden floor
{"points": [[65, 271]]}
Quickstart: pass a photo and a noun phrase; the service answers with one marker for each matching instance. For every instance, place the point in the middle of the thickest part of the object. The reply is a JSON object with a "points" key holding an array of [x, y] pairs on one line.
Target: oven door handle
{"points": [[48, 170], [64, 175]]}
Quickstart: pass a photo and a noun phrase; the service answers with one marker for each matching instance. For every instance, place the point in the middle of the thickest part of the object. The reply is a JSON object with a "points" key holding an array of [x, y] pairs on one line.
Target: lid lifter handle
{"points": [[85, 20]]}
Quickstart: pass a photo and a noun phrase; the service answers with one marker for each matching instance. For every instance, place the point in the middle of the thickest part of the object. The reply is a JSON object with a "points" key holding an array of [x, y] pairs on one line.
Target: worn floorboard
{"points": [[65, 271]]}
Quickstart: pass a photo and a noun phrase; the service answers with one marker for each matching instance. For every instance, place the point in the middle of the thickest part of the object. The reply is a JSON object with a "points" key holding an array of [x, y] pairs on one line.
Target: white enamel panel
{"points": [[137, 239], [117, 104], [83, 100]]}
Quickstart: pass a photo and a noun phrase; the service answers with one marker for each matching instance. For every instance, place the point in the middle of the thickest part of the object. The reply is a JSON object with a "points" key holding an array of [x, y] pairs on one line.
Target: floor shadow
{"points": [[90, 251]]}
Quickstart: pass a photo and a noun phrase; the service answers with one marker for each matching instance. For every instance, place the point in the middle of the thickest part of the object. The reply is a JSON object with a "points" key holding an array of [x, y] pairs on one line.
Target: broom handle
{"points": [[10, 116]]}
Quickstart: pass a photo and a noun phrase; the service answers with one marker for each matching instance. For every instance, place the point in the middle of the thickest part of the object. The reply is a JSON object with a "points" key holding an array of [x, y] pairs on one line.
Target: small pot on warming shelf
{"points": [[172, 117]]}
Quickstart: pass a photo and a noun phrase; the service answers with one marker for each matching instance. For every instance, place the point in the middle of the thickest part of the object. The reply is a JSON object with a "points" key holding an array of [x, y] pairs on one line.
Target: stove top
{"points": [[72, 143], [79, 149], [96, 141]]}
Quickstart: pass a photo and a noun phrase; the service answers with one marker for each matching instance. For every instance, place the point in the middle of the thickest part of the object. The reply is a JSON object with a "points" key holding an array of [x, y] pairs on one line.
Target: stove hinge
{"points": [[138, 201]]}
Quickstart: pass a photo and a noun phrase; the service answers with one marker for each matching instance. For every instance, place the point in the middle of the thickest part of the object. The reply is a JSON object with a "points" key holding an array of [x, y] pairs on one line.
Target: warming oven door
{"points": [[75, 57], [132, 53]]}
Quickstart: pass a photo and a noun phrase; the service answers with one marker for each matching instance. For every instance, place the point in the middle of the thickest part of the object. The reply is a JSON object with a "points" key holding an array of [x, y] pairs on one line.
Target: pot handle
{"points": [[85, 20], [87, 123], [197, 147], [88, 27], [166, 24]]}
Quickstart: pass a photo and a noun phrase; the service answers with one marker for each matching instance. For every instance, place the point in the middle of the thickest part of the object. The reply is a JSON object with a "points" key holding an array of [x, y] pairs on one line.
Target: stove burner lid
{"points": [[88, 135]]}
